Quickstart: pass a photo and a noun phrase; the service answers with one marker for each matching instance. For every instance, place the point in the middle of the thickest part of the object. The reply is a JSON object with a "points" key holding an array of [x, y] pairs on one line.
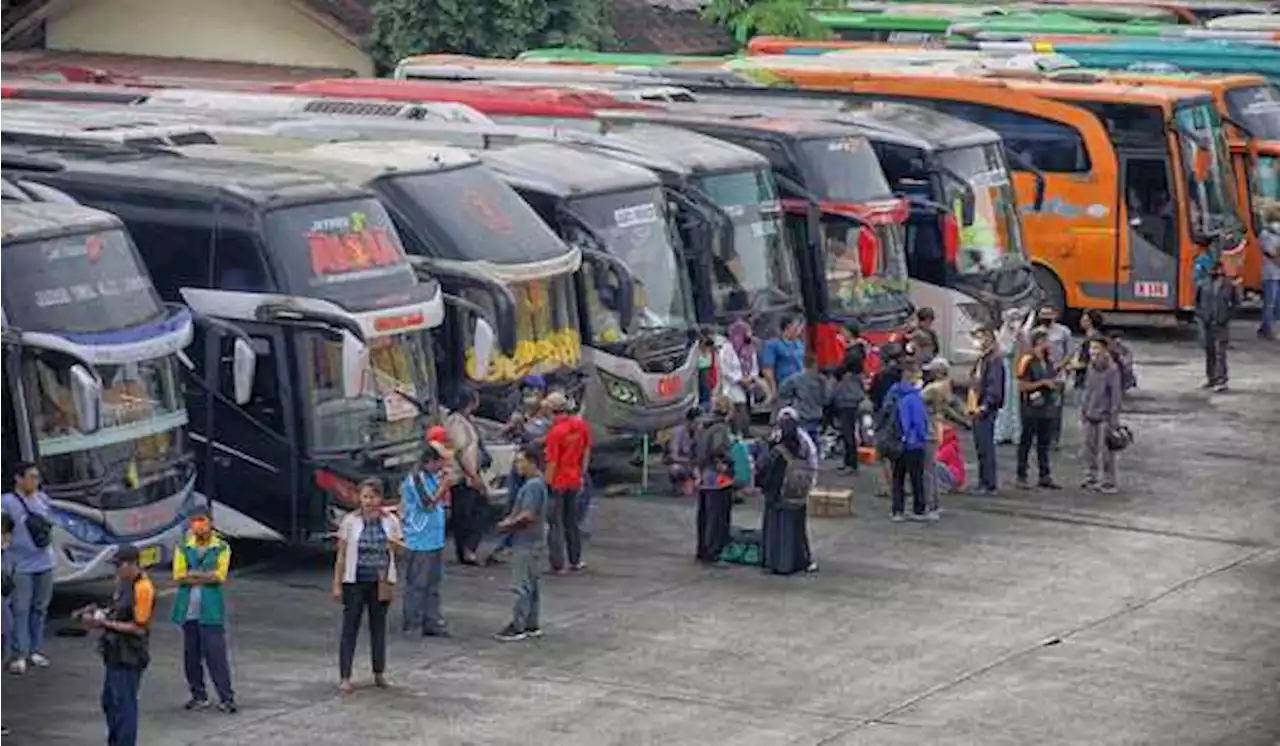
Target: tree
{"points": [[748, 18], [483, 28]]}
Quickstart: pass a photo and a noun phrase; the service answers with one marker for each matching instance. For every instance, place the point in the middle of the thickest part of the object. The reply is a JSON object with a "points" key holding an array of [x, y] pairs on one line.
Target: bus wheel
{"points": [[1054, 296]]}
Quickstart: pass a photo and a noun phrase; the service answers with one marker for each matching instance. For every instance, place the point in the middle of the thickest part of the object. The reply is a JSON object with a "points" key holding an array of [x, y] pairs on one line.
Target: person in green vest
{"points": [[200, 566]]}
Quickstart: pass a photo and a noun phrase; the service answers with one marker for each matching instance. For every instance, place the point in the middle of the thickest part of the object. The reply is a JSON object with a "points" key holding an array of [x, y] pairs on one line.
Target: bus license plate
{"points": [[149, 556], [668, 385]]}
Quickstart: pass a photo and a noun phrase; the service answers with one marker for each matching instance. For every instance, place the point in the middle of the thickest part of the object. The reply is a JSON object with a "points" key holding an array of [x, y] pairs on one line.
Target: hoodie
{"points": [[912, 416], [1102, 393]]}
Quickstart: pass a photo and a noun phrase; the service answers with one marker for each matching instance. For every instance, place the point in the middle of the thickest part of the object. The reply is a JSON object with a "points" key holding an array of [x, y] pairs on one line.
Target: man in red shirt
{"points": [[568, 455]]}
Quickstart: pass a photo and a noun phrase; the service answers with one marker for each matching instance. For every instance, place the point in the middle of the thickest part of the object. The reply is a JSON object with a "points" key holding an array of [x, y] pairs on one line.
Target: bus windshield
{"points": [[865, 277], [994, 238], [548, 334], [130, 459], [77, 284], [843, 169], [757, 271], [1266, 187], [1206, 164], [400, 373], [345, 251], [1257, 108], [472, 215], [634, 225]]}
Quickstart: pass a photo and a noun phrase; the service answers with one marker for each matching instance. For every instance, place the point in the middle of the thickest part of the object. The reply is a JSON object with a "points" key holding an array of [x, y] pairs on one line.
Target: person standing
{"points": [[785, 479], [1102, 395], [568, 457], [364, 577], [715, 482], [847, 397], [986, 398], [923, 337], [32, 552], [783, 356], [467, 495], [124, 645], [200, 567], [1269, 238], [1040, 390], [1059, 356], [1216, 302], [526, 524], [6, 580], [1010, 339], [738, 372], [938, 399], [422, 507], [913, 428], [808, 393]]}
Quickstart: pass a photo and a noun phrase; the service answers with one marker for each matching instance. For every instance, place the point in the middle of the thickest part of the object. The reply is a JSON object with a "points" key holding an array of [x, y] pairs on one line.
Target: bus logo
{"points": [[668, 386]]}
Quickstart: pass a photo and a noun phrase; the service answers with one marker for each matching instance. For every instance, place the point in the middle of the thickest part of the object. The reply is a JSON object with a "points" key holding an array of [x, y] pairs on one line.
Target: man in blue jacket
{"points": [[422, 507], [913, 421], [986, 399]]}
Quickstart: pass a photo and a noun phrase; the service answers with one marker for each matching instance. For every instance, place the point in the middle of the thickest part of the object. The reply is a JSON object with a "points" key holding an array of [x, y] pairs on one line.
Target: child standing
{"points": [[7, 586]]}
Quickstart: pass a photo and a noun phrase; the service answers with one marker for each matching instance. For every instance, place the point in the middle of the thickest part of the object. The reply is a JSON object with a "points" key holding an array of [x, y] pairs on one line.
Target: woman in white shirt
{"points": [[739, 372], [364, 577]]}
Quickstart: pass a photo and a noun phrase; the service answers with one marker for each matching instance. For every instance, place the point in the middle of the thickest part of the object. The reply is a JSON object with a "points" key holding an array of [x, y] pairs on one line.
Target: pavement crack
{"points": [[1059, 638]]}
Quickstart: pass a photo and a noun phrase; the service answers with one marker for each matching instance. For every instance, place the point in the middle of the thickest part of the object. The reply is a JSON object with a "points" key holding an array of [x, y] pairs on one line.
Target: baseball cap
{"points": [[126, 553], [939, 364]]}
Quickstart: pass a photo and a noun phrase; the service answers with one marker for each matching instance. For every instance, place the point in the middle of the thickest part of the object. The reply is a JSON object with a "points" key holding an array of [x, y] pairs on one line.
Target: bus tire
{"points": [[1052, 293]]}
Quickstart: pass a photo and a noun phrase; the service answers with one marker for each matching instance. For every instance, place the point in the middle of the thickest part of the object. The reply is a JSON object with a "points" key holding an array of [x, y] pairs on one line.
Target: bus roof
{"points": [[743, 117], [487, 98], [565, 172], [671, 149], [253, 185], [360, 160], [32, 221]]}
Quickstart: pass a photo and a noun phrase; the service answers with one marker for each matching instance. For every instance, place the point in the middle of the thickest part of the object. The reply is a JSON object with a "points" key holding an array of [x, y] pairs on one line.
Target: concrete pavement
{"points": [[1152, 617]]}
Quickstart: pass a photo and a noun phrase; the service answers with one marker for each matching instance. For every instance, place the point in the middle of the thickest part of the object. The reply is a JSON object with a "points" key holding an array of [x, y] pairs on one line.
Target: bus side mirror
{"points": [[483, 339], [86, 394], [244, 363], [355, 361]]}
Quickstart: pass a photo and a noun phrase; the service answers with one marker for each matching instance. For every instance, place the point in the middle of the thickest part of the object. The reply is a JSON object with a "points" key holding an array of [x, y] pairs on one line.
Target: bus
{"points": [[92, 389], [312, 270], [1136, 179]]}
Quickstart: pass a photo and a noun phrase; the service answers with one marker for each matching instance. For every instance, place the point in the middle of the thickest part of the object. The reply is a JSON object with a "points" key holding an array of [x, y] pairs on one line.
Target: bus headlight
{"points": [[81, 528], [621, 391]]}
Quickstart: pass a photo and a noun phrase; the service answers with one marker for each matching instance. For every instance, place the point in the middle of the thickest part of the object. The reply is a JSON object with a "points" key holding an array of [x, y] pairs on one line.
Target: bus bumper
{"points": [[81, 562]]}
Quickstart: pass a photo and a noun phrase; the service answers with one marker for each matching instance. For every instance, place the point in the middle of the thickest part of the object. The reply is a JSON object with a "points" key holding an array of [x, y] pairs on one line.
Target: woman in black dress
{"points": [[785, 536]]}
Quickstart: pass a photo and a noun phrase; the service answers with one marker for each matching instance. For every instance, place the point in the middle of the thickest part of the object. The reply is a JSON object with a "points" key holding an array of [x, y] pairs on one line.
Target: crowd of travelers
{"points": [[894, 406]]}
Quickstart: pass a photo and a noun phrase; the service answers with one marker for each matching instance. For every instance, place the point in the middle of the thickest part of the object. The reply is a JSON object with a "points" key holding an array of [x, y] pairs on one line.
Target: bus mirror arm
{"points": [[86, 394], [482, 334], [1037, 173], [354, 353], [244, 360], [795, 190], [626, 284]]}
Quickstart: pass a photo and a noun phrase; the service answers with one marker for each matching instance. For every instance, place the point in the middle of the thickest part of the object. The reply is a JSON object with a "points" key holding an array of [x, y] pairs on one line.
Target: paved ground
{"points": [[1152, 617]]}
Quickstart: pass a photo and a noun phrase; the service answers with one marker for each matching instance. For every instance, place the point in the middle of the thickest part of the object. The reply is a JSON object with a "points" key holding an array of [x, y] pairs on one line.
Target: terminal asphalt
{"points": [[1149, 617]]}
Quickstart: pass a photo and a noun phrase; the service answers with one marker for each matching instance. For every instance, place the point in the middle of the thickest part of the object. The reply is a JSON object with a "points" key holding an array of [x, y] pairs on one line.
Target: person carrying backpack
{"points": [[903, 437], [786, 477], [714, 460]]}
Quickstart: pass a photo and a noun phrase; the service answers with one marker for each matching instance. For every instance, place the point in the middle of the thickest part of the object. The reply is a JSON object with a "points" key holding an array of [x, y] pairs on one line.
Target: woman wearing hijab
{"points": [[785, 536], [1009, 338], [739, 369]]}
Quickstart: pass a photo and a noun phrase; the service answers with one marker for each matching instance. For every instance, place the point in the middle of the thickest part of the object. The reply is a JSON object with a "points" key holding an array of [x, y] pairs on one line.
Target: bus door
{"points": [[1146, 269]]}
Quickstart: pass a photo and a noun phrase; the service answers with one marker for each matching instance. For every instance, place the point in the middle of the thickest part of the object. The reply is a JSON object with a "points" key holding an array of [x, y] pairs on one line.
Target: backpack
{"points": [[797, 479], [888, 427], [740, 456]]}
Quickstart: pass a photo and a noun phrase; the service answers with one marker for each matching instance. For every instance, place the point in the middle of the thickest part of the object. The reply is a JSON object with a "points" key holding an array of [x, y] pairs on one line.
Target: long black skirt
{"points": [[715, 520], [785, 539]]}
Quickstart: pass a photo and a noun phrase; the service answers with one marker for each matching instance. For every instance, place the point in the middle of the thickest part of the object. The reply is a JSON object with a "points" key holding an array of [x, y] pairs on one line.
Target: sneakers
{"points": [[933, 516], [229, 707], [1049, 484], [1107, 489], [1023, 484], [437, 631], [578, 567], [897, 518], [812, 568], [533, 632], [1220, 388], [1207, 385], [1089, 484], [196, 703], [18, 666], [510, 634], [39, 660], [917, 516]]}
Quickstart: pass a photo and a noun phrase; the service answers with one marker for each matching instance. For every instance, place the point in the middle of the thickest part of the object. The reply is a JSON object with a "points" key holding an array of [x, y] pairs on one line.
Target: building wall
{"points": [[262, 31]]}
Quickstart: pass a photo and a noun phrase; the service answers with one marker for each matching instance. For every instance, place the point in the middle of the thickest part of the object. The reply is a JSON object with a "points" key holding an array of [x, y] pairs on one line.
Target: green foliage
{"points": [[484, 28], [748, 18]]}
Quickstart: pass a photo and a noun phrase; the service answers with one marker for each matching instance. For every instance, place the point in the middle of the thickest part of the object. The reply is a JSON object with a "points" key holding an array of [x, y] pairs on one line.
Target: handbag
{"points": [[1119, 438], [386, 588]]}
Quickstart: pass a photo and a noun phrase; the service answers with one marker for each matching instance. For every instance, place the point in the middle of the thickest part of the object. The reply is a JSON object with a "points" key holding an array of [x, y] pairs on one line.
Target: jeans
{"points": [[1270, 306], [931, 475], [814, 428], [423, 576], [909, 464], [356, 597], [984, 440], [563, 535], [120, 704], [1215, 354], [1040, 430], [1097, 457], [32, 593], [715, 520], [526, 582], [847, 420], [206, 645]]}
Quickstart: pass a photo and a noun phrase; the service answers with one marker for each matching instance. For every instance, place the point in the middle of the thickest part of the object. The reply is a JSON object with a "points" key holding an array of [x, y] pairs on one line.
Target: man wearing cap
{"points": [[939, 402], [1216, 302], [200, 566], [124, 644], [422, 506], [568, 454]]}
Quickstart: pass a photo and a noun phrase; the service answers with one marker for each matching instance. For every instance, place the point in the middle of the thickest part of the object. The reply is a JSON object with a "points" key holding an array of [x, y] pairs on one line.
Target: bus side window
{"points": [[177, 256], [237, 264], [779, 160], [1149, 198], [1051, 146]]}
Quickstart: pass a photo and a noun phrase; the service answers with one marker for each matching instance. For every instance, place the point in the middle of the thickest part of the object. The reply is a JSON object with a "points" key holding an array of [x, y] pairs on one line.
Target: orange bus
{"points": [[1136, 178]]}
